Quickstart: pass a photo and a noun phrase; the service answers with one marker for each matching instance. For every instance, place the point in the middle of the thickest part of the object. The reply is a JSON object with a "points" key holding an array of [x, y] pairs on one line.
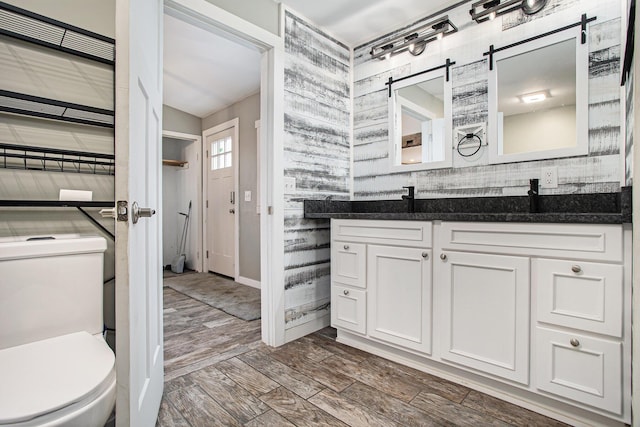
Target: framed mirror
{"points": [[538, 103], [420, 122]]}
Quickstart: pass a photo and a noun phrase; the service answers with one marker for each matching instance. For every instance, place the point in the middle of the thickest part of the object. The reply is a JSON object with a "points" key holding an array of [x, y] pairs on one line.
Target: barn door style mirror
{"points": [[420, 122], [538, 102]]}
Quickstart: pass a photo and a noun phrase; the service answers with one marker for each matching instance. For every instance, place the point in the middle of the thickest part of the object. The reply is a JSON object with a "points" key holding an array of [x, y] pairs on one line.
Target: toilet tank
{"points": [[50, 286]]}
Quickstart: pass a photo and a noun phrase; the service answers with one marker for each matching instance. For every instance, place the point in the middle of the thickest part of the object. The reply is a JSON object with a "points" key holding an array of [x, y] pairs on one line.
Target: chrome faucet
{"points": [[411, 207], [533, 196]]}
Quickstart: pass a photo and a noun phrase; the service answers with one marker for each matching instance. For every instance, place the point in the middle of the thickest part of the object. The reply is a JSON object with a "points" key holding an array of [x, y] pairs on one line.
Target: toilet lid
{"points": [[44, 376]]}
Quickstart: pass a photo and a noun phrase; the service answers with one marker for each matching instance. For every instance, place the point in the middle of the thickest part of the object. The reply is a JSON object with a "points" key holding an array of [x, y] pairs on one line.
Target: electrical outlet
{"points": [[289, 185], [549, 177]]}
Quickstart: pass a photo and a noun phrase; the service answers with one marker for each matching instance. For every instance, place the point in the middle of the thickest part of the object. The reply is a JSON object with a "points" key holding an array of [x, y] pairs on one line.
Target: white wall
{"points": [[600, 171]]}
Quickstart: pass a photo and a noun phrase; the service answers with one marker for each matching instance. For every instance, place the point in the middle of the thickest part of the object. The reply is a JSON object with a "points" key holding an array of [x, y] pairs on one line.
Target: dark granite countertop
{"points": [[594, 208]]}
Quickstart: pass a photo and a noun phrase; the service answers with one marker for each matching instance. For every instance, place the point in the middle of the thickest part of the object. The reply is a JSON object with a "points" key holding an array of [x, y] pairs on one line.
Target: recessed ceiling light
{"points": [[534, 97]]}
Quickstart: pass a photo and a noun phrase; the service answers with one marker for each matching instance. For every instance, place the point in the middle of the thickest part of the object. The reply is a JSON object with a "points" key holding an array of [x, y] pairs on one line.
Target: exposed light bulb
{"points": [[492, 16], [439, 36], [388, 55]]}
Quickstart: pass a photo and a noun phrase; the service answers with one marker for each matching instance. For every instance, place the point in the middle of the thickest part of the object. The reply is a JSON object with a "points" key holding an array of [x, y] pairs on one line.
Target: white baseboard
{"points": [[310, 327], [248, 282]]}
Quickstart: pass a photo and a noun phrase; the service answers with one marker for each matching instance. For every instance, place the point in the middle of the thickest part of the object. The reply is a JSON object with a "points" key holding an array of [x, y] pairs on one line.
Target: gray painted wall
{"points": [[38, 71], [178, 121], [317, 109], [264, 14], [600, 171], [248, 111]]}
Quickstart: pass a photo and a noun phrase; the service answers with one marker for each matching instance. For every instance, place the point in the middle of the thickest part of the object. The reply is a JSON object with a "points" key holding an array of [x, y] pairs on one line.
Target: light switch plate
{"points": [[247, 196]]}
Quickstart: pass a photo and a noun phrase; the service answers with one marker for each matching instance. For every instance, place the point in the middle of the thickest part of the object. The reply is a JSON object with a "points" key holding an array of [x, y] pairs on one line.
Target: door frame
{"points": [[235, 124], [213, 18], [195, 139]]}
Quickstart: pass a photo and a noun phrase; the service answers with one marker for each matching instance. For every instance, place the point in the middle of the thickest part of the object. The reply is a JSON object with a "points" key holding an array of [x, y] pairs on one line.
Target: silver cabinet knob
{"points": [[346, 292], [346, 247], [574, 342], [232, 211], [443, 256], [425, 255], [576, 268]]}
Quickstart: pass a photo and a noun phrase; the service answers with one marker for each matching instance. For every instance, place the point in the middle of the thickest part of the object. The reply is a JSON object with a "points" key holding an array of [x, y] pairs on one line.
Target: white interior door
{"points": [[221, 196], [139, 342]]}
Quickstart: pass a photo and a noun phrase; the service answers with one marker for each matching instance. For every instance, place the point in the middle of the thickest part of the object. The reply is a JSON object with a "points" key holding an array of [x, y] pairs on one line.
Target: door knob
{"points": [[138, 212]]}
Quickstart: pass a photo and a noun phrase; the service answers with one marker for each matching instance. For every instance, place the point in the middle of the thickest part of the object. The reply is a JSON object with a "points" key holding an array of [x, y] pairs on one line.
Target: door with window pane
{"points": [[221, 202]]}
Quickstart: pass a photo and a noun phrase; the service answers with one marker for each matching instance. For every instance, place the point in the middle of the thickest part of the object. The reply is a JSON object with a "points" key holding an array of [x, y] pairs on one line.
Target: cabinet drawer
{"points": [[585, 369], [580, 295], [601, 242], [348, 308], [349, 263], [399, 233]]}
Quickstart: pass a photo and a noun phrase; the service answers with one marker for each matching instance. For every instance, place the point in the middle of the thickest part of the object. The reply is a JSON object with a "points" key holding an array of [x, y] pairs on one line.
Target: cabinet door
{"points": [[485, 313], [348, 308], [349, 263], [580, 295], [399, 287], [585, 369]]}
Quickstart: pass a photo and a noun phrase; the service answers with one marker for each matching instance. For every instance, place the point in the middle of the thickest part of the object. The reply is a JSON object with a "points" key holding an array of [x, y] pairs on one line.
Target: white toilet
{"points": [[55, 367]]}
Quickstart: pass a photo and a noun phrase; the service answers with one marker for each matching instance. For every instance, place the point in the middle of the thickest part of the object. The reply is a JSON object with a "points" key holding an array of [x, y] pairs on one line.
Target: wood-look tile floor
{"points": [[218, 373]]}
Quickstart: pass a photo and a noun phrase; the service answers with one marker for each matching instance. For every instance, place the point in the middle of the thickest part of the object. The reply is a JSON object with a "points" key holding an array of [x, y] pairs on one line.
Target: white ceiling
{"points": [[205, 73], [358, 21]]}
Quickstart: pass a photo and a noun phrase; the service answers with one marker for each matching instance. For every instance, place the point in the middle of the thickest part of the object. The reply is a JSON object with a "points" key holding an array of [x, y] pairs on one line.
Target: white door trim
{"points": [[210, 17], [235, 124], [197, 139]]}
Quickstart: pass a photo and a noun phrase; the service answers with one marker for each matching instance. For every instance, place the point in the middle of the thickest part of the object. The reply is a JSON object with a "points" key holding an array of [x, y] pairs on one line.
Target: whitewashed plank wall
{"points": [[317, 154], [600, 171]]}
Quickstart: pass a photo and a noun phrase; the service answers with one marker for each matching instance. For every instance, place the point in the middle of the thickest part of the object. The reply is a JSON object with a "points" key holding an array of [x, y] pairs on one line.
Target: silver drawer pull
{"points": [[425, 255], [576, 268], [574, 342], [443, 256], [346, 292], [346, 247]]}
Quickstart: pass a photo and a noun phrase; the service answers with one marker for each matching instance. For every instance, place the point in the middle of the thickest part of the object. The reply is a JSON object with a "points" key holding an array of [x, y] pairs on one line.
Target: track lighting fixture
{"points": [[416, 40], [485, 10]]}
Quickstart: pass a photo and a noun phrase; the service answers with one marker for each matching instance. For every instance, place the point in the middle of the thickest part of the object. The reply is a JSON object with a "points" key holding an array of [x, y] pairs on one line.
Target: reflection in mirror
{"points": [[540, 102], [419, 133]]}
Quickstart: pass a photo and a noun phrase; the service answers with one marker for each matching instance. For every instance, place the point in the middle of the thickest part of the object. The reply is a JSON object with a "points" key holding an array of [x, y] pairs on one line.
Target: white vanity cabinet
{"points": [[485, 313], [399, 287], [381, 281], [348, 283], [538, 314]]}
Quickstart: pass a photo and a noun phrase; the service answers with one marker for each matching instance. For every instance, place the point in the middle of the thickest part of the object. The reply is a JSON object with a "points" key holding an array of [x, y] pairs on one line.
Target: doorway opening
{"points": [[247, 200]]}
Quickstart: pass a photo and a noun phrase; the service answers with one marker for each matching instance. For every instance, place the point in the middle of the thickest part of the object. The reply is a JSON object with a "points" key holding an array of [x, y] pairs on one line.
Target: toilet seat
{"points": [[49, 375]]}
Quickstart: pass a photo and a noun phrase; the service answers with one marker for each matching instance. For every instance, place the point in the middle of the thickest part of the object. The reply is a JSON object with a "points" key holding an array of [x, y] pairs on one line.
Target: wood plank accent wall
{"points": [[317, 151], [600, 171]]}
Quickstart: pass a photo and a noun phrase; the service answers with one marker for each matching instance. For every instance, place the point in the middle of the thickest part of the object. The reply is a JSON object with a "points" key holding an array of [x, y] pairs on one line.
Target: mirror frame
{"points": [[395, 137], [582, 101]]}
